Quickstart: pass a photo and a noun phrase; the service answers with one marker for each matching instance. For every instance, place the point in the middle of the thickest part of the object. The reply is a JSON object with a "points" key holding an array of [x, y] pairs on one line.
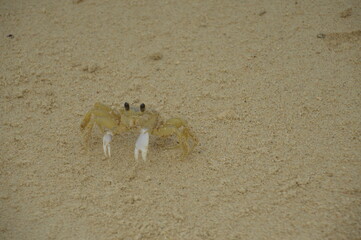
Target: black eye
{"points": [[126, 106], [142, 107]]}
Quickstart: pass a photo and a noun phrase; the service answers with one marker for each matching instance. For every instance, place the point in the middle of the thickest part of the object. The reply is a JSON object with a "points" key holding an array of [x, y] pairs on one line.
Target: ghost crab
{"points": [[112, 122]]}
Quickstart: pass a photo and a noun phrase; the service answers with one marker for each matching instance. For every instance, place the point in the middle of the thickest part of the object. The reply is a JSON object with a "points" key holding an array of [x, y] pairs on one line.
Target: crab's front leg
{"points": [[142, 144], [111, 130], [104, 123], [106, 143]]}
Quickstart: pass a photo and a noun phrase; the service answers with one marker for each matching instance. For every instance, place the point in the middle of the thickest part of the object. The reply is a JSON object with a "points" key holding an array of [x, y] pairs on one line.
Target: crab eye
{"points": [[126, 106], [142, 107]]}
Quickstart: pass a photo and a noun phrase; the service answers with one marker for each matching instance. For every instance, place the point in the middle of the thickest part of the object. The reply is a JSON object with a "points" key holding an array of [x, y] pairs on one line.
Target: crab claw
{"points": [[106, 143], [142, 144]]}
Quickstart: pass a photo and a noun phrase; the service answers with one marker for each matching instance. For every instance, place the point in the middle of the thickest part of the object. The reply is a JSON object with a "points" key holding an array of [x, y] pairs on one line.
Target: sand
{"points": [[272, 90]]}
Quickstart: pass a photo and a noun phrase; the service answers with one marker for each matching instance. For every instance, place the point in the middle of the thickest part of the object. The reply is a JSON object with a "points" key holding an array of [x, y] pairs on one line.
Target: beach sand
{"points": [[272, 90]]}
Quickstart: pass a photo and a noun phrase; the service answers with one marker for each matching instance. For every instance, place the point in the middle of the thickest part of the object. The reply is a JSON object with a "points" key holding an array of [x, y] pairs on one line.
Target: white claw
{"points": [[106, 143], [142, 144]]}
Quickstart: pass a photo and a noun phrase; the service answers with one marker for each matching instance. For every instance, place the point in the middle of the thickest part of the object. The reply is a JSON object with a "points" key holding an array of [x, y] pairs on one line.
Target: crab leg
{"points": [[142, 144], [106, 143]]}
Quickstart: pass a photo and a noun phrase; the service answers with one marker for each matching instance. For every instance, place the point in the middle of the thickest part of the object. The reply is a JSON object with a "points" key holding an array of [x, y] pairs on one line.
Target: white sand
{"points": [[276, 110]]}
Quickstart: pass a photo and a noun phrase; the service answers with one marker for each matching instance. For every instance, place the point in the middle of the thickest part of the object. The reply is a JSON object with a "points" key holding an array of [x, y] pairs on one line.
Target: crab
{"points": [[113, 122]]}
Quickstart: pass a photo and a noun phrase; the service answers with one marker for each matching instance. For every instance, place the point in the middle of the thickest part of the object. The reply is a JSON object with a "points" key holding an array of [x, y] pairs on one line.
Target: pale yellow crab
{"points": [[112, 122]]}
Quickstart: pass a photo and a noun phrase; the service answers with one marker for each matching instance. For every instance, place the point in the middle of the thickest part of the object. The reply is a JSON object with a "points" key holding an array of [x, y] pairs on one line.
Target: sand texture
{"points": [[272, 90]]}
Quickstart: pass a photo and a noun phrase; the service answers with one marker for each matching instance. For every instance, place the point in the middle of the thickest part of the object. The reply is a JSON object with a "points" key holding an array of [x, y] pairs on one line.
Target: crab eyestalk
{"points": [[142, 107]]}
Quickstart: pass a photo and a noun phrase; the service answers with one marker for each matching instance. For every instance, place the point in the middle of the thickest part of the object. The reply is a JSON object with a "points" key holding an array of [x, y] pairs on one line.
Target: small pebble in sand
{"points": [[228, 115], [91, 68], [262, 13], [346, 13], [321, 35], [10, 36], [242, 190], [156, 56]]}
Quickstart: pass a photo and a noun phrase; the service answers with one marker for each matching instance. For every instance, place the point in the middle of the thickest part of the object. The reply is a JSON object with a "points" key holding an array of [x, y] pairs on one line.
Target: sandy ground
{"points": [[272, 90]]}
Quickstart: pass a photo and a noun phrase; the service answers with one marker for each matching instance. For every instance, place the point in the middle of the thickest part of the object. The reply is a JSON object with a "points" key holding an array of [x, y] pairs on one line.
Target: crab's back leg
{"points": [[167, 131], [188, 134], [186, 131], [179, 128], [86, 127], [98, 110], [176, 122], [86, 120]]}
